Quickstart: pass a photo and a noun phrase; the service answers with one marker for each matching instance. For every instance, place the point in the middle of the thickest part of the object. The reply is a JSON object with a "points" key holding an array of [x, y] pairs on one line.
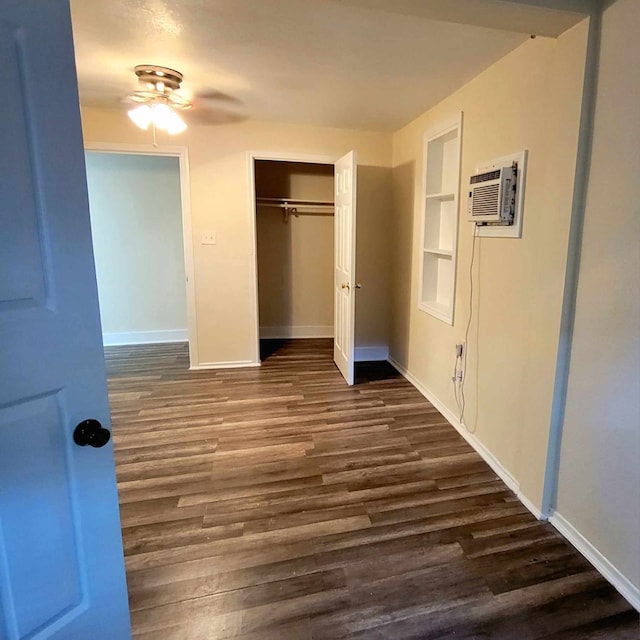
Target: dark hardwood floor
{"points": [[279, 503]]}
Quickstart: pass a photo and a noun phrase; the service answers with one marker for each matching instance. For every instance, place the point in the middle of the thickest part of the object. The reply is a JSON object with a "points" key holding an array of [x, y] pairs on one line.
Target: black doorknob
{"points": [[90, 432]]}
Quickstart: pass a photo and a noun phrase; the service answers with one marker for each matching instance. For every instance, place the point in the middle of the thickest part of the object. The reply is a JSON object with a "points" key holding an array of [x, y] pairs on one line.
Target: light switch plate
{"points": [[209, 237]]}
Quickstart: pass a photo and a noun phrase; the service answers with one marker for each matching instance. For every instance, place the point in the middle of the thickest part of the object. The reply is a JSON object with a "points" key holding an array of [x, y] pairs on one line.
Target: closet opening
{"points": [[294, 232]]}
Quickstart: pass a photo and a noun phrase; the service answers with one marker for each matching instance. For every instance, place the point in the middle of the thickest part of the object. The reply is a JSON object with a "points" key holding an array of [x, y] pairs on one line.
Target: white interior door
{"points": [[345, 265], [61, 563]]}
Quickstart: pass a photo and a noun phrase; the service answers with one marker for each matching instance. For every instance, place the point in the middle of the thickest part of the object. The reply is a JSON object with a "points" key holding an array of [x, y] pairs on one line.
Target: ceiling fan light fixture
{"points": [[176, 124], [141, 116], [158, 105], [161, 115]]}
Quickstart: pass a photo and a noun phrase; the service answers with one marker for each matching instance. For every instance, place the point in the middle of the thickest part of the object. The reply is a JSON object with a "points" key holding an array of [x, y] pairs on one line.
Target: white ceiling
{"points": [[321, 62]]}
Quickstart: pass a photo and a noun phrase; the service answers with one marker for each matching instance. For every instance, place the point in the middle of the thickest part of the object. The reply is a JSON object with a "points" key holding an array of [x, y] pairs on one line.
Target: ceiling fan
{"points": [[158, 102]]}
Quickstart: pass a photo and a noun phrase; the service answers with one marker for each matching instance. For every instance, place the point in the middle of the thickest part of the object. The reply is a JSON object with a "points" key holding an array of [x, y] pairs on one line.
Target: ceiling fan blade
{"points": [[198, 116], [213, 99]]}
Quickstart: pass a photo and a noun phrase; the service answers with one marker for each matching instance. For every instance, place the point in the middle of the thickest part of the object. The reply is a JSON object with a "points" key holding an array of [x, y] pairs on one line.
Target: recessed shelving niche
{"points": [[440, 199]]}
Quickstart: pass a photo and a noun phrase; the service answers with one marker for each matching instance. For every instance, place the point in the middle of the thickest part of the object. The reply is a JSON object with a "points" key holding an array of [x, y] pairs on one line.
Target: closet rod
{"points": [[290, 209]]}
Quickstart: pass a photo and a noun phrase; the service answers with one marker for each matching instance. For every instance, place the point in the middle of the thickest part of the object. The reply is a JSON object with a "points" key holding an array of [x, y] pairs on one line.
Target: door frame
{"points": [[276, 156], [182, 153]]}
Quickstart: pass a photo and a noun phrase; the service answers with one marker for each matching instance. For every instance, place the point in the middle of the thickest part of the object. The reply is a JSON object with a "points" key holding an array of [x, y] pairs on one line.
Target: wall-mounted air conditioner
{"points": [[492, 196]]}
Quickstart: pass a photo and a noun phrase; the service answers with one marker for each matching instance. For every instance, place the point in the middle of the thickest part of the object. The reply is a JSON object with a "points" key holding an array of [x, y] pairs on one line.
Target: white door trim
{"points": [[280, 156], [182, 153]]}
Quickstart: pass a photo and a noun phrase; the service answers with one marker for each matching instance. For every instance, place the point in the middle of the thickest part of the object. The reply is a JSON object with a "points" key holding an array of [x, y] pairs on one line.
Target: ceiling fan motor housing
{"points": [[153, 74]]}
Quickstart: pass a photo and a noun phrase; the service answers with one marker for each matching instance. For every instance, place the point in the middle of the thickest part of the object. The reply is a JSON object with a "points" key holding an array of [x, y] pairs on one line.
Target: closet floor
{"points": [[279, 503]]}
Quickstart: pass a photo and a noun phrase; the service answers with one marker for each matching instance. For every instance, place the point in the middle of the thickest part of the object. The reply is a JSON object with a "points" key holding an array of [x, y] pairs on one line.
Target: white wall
{"points": [[136, 223], [599, 481], [531, 99]]}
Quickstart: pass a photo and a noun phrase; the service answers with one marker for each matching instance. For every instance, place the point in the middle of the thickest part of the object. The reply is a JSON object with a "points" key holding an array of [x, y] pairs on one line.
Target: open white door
{"points": [[345, 265], [61, 563]]}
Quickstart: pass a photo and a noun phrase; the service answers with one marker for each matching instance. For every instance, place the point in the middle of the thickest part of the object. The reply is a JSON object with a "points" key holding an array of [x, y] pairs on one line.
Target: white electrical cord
{"points": [[462, 402]]}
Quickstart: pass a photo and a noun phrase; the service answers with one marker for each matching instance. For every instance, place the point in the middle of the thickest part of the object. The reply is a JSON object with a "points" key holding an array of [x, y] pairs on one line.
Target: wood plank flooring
{"points": [[278, 503]]}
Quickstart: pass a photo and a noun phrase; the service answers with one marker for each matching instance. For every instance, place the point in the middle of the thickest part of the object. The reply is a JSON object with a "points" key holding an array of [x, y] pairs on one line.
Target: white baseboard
{"points": [[371, 354], [532, 507], [626, 588], [232, 364], [486, 455], [298, 331], [144, 337]]}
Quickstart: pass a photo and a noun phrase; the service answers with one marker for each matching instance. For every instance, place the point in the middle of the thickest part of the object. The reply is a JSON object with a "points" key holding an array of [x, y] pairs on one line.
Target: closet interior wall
{"points": [[295, 254]]}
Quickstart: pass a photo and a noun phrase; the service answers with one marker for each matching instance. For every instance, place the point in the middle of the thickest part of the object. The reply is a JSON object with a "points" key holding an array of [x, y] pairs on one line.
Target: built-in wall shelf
{"points": [[440, 199], [447, 253], [447, 195]]}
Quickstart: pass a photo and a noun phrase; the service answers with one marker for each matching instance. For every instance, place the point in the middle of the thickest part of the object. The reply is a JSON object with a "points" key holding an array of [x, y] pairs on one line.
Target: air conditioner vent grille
{"points": [[485, 200], [485, 177]]}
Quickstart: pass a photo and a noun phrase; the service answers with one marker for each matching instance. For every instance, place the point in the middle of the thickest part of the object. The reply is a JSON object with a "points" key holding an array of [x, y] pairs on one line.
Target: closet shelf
{"points": [[295, 202]]}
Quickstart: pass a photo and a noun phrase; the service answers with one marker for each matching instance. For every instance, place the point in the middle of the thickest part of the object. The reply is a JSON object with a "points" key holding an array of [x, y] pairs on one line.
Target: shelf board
{"points": [[445, 253], [437, 309], [445, 195], [295, 201]]}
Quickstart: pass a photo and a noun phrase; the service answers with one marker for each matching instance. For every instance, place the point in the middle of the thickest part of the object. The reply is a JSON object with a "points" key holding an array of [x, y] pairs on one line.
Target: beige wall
{"points": [[374, 223], [136, 223], [295, 258], [600, 454], [221, 202], [528, 100]]}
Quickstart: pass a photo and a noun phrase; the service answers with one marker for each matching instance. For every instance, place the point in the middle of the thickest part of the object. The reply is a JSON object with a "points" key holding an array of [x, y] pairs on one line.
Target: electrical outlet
{"points": [[459, 350]]}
